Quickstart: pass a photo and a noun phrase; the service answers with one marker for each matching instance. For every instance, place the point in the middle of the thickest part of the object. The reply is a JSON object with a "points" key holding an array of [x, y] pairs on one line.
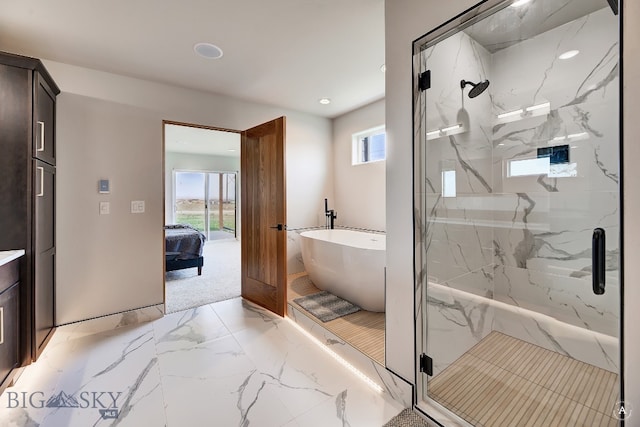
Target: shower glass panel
{"points": [[516, 169]]}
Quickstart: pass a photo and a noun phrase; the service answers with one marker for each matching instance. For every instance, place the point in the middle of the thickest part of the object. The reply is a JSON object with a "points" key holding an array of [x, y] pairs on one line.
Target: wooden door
{"points": [[263, 215]]}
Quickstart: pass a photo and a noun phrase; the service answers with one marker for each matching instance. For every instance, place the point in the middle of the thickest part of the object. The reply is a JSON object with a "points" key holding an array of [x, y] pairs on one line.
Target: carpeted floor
{"points": [[220, 278]]}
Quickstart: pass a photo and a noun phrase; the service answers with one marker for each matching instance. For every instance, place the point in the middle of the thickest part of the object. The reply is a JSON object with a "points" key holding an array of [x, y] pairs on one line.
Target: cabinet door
{"points": [[44, 121], [8, 331], [44, 253], [44, 216], [44, 298]]}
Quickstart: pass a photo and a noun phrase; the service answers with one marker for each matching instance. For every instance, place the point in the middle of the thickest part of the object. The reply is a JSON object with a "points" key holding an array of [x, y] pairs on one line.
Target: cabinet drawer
{"points": [[8, 331], [9, 274]]}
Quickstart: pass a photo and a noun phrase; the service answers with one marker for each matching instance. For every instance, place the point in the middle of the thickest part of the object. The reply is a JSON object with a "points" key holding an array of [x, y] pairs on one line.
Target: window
{"points": [[525, 167], [369, 146]]}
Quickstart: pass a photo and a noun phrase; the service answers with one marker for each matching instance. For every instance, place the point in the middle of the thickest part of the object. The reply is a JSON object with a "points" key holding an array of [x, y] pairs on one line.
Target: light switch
{"points": [[137, 206], [104, 208]]}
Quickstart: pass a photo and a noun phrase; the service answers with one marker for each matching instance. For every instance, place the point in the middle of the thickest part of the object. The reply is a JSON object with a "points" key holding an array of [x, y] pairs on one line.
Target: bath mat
{"points": [[326, 306], [407, 418]]}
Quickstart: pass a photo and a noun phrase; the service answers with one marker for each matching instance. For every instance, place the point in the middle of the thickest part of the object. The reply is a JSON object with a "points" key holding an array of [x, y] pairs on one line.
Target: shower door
{"points": [[518, 215]]}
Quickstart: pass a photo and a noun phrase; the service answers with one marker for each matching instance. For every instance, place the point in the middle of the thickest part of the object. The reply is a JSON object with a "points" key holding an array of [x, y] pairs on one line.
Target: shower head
{"points": [[477, 89]]}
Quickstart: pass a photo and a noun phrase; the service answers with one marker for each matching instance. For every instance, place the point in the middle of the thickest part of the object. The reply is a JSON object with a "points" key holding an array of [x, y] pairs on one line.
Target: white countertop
{"points": [[8, 256]]}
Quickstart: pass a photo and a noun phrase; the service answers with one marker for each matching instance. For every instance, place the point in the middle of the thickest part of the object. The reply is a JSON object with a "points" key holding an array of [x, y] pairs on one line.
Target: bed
{"points": [[183, 247]]}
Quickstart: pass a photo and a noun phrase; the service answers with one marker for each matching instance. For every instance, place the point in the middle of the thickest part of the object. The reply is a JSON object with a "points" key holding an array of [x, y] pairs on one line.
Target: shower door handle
{"points": [[598, 260]]}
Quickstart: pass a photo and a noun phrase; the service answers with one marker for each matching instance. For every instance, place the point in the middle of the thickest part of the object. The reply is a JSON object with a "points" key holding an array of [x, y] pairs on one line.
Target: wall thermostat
{"points": [[103, 186]]}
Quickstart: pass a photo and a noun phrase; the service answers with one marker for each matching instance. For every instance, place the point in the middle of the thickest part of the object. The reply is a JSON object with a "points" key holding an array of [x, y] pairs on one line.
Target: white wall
{"points": [[406, 20], [195, 162], [631, 203], [359, 189], [110, 126], [106, 263], [309, 170]]}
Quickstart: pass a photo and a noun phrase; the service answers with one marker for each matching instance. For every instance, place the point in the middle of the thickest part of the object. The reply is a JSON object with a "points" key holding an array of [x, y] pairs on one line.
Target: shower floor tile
{"points": [[504, 381]]}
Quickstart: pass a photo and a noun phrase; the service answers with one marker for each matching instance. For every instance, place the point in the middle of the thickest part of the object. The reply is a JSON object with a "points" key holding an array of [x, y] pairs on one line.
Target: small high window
{"points": [[369, 146]]}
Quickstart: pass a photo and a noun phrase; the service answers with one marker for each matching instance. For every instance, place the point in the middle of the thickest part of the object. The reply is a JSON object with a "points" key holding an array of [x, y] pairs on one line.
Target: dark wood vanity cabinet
{"points": [[9, 321], [27, 191]]}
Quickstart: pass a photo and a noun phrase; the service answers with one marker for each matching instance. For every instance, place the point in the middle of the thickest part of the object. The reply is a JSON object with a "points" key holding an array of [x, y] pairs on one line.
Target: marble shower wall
{"points": [[457, 232], [544, 223], [520, 243]]}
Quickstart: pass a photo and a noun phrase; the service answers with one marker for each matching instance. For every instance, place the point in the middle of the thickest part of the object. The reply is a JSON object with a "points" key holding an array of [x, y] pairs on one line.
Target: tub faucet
{"points": [[330, 215]]}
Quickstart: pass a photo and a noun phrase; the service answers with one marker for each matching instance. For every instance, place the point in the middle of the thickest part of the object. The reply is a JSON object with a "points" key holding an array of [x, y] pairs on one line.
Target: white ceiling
{"points": [[288, 53], [514, 24], [193, 140]]}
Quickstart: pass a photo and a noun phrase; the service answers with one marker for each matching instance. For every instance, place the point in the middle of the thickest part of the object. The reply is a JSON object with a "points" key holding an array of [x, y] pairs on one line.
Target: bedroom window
{"points": [[206, 201], [369, 146]]}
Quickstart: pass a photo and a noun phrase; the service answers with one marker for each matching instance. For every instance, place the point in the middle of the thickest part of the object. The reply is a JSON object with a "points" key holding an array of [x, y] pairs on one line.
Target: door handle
{"points": [[598, 260], [41, 192], [41, 128], [279, 227]]}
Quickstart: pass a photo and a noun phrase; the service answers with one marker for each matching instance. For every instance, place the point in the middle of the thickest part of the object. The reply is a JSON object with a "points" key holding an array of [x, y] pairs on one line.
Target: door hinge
{"points": [[426, 364], [424, 80]]}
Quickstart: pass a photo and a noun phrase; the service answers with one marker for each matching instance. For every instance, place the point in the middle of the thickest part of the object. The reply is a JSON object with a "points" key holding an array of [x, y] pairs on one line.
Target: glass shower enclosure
{"points": [[517, 207]]}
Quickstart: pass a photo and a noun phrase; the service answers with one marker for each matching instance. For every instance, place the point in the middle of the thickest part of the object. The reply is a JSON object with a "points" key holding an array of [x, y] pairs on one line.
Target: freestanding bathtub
{"points": [[347, 263]]}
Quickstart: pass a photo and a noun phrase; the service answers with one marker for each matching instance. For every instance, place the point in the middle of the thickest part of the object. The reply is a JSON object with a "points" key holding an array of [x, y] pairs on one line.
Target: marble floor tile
{"points": [[230, 363], [185, 329], [354, 406], [239, 400]]}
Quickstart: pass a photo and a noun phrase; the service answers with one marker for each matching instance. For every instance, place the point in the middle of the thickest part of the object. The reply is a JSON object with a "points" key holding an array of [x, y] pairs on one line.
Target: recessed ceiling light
{"points": [[208, 50], [324, 101], [569, 54], [519, 3]]}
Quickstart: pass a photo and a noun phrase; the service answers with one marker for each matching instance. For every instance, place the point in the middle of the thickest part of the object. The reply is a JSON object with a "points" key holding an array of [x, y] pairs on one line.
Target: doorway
{"points": [[517, 195], [261, 250], [201, 169]]}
